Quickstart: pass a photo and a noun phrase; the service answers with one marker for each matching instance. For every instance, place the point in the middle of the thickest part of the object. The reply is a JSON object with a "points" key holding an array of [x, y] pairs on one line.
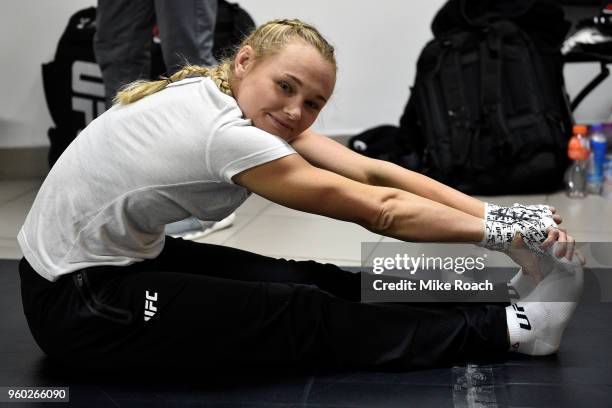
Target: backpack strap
{"points": [[491, 60], [455, 98]]}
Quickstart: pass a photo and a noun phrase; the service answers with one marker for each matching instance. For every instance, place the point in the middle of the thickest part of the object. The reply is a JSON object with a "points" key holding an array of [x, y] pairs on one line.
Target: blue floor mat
{"points": [[580, 375]]}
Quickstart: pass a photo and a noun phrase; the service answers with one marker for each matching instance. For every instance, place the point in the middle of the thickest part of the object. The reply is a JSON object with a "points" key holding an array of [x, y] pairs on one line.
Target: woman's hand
{"points": [[534, 223], [502, 226], [558, 244], [558, 219], [529, 248]]}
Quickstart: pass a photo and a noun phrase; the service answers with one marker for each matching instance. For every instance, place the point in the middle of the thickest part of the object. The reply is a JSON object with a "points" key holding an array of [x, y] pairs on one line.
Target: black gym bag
{"points": [[488, 112]]}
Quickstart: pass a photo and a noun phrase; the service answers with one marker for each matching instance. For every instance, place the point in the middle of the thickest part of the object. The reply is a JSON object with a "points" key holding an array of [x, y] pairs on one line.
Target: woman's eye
{"points": [[285, 86], [312, 105]]}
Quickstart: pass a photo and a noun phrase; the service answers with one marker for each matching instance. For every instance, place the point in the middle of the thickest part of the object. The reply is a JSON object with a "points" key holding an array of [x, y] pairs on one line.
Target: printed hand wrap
{"points": [[503, 223], [517, 212]]}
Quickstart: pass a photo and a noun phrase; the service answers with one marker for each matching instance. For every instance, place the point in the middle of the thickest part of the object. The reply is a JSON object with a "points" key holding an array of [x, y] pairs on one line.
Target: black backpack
{"points": [[73, 83], [488, 113]]}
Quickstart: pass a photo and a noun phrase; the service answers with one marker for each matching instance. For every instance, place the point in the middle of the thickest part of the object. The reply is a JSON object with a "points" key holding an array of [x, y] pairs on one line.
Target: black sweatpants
{"points": [[203, 306]]}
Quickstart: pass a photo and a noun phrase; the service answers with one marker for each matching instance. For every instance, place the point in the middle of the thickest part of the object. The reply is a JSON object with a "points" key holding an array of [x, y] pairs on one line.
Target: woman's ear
{"points": [[244, 60]]}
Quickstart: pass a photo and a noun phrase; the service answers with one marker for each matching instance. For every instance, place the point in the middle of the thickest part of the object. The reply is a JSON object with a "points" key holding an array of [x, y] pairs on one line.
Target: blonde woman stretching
{"points": [[103, 287]]}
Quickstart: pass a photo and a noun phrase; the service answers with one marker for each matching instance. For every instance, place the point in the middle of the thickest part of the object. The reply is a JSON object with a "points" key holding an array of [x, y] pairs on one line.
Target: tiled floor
{"points": [[270, 229]]}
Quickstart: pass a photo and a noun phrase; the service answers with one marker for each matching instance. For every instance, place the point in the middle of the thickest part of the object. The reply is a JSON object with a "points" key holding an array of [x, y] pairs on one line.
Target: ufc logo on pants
{"points": [[150, 307]]}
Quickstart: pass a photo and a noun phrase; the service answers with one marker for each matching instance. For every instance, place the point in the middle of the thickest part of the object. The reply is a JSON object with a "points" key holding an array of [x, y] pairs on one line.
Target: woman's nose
{"points": [[294, 111]]}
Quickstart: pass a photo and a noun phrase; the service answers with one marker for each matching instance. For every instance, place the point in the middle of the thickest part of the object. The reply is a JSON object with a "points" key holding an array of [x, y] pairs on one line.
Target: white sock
{"points": [[520, 286], [536, 323]]}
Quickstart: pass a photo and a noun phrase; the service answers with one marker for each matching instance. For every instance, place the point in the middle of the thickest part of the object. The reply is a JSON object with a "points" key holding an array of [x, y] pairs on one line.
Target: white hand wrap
{"points": [[516, 212], [503, 223]]}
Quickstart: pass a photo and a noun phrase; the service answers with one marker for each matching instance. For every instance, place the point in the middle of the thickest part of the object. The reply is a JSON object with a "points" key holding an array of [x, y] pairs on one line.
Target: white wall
{"points": [[597, 106], [377, 47], [29, 32]]}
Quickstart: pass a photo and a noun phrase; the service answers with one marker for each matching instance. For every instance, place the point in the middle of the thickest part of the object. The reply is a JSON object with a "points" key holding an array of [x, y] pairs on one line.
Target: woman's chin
{"points": [[283, 134]]}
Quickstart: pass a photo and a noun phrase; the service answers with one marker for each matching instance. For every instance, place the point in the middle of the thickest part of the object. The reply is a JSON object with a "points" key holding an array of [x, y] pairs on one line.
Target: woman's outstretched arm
{"points": [[328, 154], [293, 182]]}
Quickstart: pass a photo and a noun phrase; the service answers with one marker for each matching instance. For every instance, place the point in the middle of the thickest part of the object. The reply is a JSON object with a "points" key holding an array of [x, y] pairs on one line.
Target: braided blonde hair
{"points": [[265, 40]]}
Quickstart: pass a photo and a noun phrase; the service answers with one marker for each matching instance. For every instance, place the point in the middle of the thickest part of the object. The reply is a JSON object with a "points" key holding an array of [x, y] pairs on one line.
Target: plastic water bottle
{"points": [[597, 142], [607, 185], [578, 151], [608, 133]]}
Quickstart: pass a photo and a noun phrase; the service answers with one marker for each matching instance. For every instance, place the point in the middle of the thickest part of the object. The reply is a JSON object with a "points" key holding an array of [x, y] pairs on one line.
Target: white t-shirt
{"points": [[138, 167]]}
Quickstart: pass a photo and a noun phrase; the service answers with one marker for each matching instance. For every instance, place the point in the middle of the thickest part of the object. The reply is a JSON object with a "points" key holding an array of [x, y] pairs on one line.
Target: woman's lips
{"points": [[280, 122]]}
